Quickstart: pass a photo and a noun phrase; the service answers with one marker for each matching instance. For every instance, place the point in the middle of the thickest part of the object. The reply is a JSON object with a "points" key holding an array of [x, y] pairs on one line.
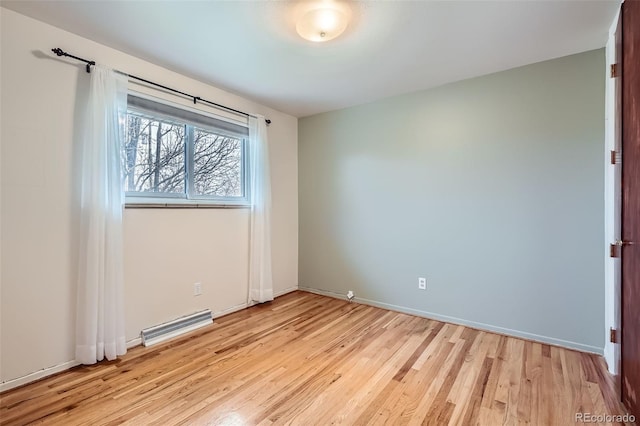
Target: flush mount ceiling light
{"points": [[323, 22]]}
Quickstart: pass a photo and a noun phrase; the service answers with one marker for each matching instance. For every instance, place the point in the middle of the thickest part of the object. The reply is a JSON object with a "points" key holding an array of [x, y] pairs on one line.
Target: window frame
{"points": [[188, 198]]}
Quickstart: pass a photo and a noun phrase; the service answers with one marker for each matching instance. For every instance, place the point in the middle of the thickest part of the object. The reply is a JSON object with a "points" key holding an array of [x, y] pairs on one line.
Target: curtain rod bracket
{"points": [[61, 52]]}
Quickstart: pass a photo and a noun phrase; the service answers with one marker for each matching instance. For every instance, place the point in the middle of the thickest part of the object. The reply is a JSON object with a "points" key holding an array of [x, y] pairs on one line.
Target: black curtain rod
{"points": [[196, 99]]}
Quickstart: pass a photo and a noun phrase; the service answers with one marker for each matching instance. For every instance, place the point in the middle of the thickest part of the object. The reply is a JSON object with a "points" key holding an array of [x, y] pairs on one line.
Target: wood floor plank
{"points": [[306, 359], [472, 414]]}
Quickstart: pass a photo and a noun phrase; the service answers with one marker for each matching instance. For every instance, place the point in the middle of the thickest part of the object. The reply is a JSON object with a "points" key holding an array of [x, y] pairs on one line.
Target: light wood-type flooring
{"points": [[306, 359]]}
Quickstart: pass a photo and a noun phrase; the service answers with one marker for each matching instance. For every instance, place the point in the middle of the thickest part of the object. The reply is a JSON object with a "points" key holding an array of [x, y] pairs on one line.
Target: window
{"points": [[177, 155]]}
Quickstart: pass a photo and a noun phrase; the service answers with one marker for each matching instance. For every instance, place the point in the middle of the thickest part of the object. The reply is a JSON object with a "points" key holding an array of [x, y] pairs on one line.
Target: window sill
{"points": [[182, 204]]}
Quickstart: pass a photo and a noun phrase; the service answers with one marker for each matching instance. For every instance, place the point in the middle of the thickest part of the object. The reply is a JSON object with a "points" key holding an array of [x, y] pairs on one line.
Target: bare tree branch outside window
{"points": [[155, 160], [217, 165]]}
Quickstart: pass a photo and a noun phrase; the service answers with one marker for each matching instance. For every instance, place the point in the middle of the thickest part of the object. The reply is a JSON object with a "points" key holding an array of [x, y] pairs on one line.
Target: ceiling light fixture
{"points": [[323, 23]]}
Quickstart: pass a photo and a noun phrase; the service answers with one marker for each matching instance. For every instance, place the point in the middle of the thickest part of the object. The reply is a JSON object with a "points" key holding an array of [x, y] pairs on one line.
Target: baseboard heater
{"points": [[168, 330]]}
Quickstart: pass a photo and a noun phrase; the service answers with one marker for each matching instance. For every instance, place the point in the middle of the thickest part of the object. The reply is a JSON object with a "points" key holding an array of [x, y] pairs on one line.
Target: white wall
{"points": [[167, 250], [491, 188]]}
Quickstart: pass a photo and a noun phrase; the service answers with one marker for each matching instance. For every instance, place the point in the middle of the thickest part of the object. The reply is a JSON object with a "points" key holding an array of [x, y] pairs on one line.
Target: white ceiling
{"points": [[390, 47]]}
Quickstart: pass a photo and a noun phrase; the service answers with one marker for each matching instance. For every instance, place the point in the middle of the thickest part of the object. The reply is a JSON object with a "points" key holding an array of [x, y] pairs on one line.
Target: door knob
{"points": [[621, 243]]}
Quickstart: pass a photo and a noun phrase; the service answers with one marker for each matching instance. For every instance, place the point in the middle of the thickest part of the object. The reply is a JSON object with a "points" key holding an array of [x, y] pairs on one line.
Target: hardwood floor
{"points": [[306, 359]]}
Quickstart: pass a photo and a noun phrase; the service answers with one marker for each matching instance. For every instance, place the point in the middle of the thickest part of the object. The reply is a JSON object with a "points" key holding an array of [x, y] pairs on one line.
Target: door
{"points": [[630, 232]]}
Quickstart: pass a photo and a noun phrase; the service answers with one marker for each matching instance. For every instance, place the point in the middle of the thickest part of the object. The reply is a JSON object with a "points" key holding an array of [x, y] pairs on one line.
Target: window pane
{"points": [[154, 155], [217, 165]]}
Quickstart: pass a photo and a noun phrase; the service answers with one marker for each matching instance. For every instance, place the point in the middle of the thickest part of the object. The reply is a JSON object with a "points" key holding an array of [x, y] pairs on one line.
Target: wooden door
{"points": [[630, 242]]}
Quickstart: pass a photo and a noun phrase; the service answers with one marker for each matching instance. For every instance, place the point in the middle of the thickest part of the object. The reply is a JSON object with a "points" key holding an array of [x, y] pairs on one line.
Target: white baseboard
{"points": [[242, 306], [285, 291], [37, 375], [134, 342], [50, 371], [230, 310], [459, 321]]}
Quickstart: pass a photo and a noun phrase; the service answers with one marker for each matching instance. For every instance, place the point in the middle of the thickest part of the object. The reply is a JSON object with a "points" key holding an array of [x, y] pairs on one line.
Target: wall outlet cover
{"points": [[422, 283]]}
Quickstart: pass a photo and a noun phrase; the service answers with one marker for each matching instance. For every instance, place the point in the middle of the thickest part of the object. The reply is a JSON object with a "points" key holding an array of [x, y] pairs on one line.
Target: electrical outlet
{"points": [[422, 283], [197, 289]]}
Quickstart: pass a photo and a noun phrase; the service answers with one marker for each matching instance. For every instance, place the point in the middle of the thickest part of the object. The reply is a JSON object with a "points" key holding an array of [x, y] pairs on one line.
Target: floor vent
{"points": [[160, 333]]}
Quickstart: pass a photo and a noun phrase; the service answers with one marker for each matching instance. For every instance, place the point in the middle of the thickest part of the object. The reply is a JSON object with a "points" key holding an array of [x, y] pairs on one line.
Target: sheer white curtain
{"points": [[100, 305], [260, 277]]}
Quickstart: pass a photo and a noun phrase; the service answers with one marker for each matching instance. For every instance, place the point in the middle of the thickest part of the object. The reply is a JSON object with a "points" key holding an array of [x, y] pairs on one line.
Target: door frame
{"points": [[613, 208]]}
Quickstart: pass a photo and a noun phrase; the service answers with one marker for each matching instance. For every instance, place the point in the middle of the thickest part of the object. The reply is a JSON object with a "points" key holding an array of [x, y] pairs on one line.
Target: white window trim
{"points": [[190, 108], [186, 200]]}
